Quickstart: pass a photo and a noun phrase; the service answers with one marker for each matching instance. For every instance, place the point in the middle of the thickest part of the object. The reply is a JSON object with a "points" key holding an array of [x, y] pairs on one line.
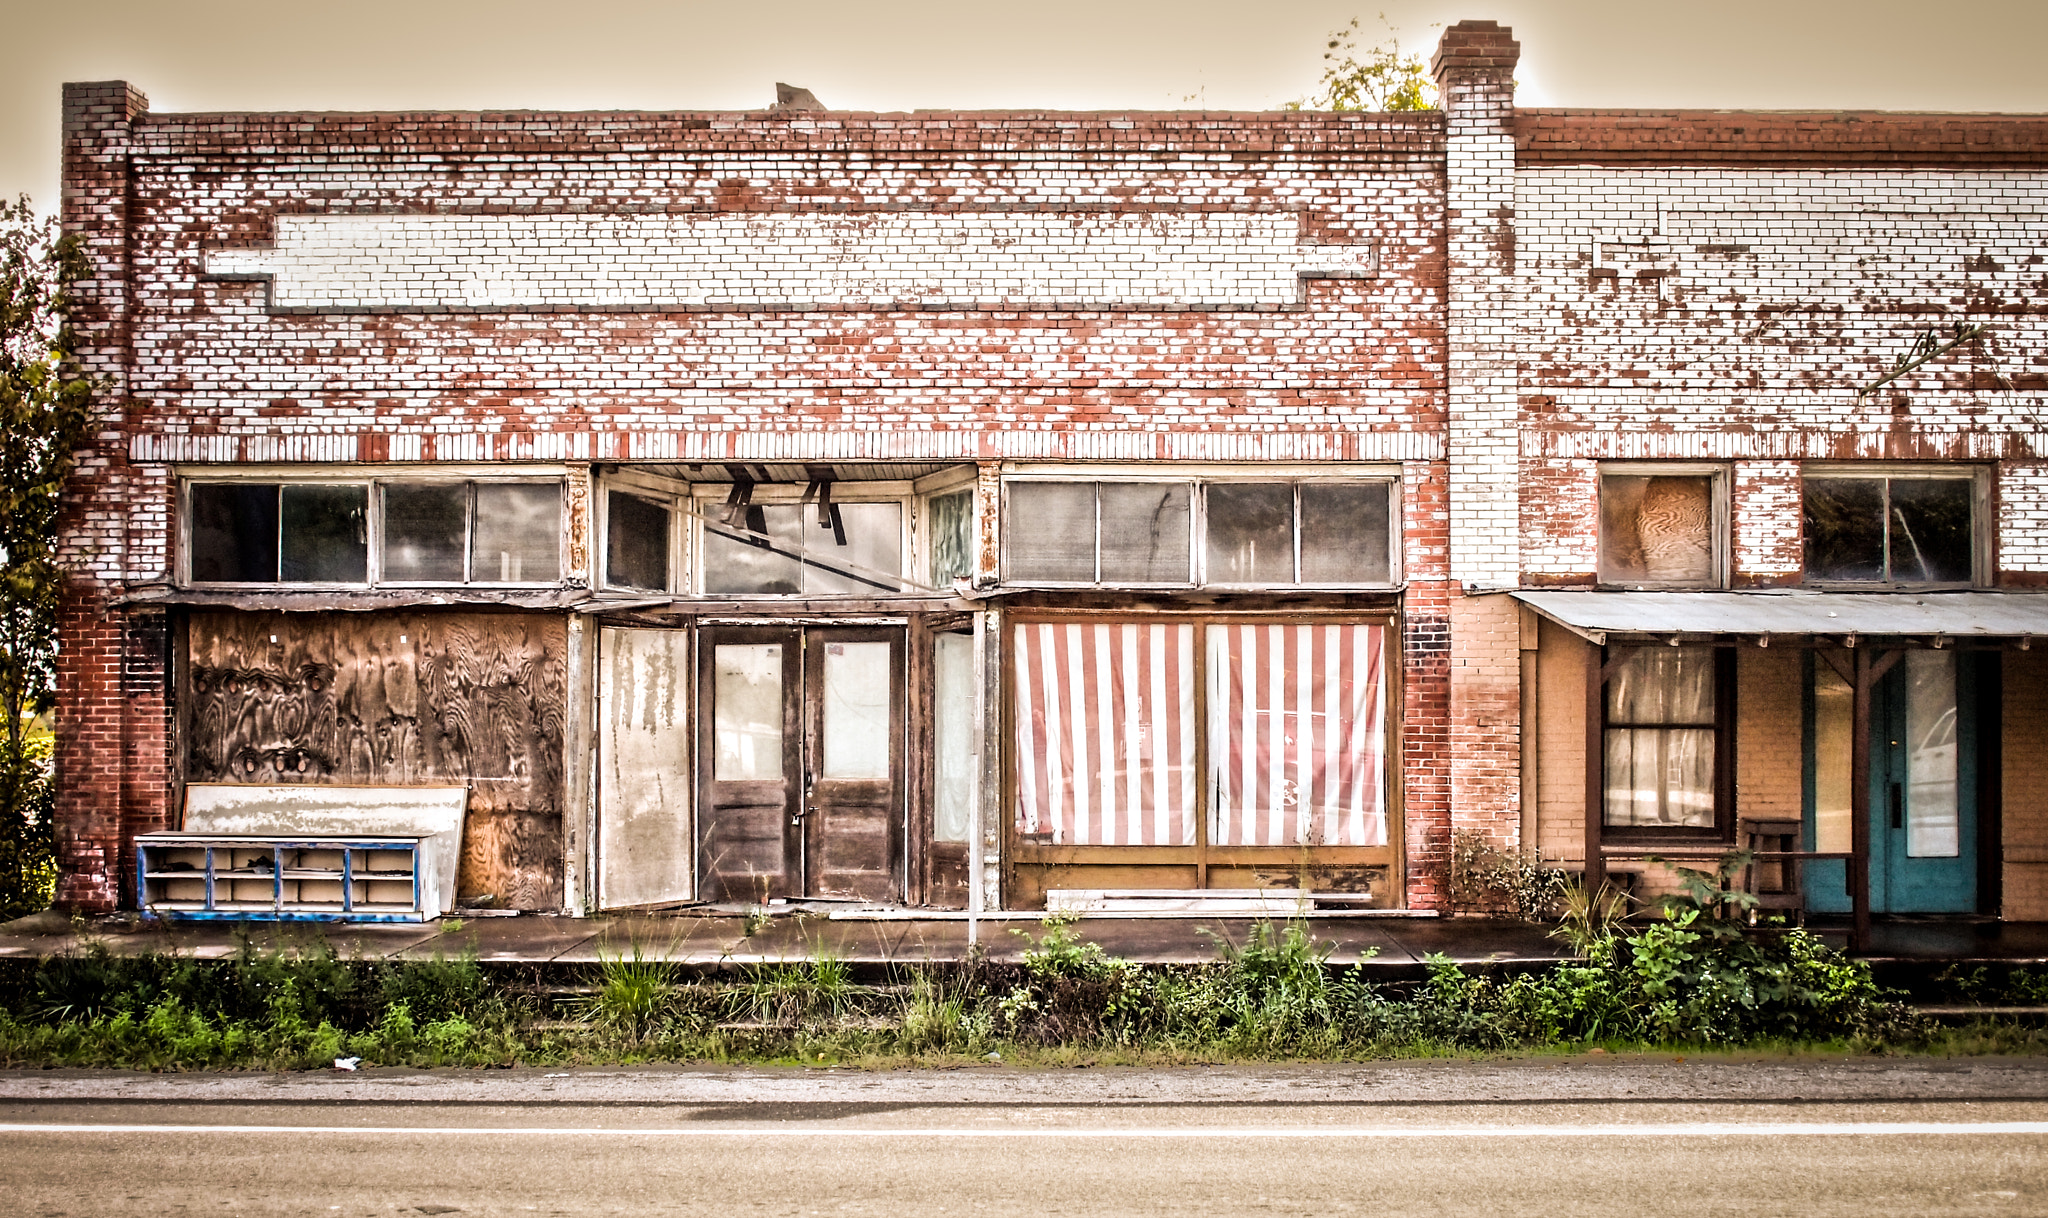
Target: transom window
{"points": [[374, 532], [1892, 527], [1229, 533]]}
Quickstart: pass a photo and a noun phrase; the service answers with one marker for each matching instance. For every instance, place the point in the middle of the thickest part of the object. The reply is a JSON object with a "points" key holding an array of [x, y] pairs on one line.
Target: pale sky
{"points": [[199, 55]]}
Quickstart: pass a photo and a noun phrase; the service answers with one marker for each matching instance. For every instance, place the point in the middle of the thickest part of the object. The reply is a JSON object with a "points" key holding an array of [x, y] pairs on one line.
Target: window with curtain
{"points": [[1660, 739], [1297, 735], [1293, 716]]}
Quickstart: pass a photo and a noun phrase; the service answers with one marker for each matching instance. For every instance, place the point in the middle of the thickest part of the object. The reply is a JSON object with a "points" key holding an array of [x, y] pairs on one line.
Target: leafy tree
{"points": [[1384, 79], [43, 396]]}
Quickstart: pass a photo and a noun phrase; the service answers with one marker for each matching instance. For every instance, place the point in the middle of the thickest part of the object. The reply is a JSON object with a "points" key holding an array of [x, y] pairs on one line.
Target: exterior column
{"points": [[1474, 67]]}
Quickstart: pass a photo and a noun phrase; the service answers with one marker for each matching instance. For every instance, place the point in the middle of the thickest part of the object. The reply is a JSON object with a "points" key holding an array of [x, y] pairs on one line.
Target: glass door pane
{"points": [[856, 710], [1932, 826], [952, 736], [747, 724]]}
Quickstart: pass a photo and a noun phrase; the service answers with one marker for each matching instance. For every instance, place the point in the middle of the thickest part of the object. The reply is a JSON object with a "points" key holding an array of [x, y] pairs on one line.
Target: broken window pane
{"points": [[1930, 530], [1657, 529], [952, 537], [1890, 530], [234, 533], [518, 533], [636, 543], [424, 531], [1344, 533], [1845, 529], [874, 544], [323, 534], [1145, 537], [1250, 533], [1660, 739], [737, 558], [1049, 532]]}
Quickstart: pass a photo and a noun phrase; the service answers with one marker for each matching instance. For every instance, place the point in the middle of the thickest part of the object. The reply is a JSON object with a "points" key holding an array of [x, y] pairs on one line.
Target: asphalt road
{"points": [[1621, 1138]]}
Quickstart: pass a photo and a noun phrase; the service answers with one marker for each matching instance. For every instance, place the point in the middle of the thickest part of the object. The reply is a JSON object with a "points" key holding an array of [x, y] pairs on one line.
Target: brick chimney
{"points": [[1474, 66]]}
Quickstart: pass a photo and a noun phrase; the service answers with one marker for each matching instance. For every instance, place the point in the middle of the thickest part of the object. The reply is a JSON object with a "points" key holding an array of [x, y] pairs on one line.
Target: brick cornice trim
{"points": [[1785, 140], [920, 137]]}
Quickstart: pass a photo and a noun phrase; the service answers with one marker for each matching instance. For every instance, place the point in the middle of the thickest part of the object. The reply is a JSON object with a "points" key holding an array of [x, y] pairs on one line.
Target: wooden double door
{"points": [[801, 782]]}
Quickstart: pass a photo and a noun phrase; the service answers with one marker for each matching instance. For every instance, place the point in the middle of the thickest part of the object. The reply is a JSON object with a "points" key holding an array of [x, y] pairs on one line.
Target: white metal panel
{"points": [[431, 813], [644, 827]]}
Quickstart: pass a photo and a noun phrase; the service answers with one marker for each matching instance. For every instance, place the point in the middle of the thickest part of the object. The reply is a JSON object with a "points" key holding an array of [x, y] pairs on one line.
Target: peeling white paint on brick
{"points": [[1043, 259]]}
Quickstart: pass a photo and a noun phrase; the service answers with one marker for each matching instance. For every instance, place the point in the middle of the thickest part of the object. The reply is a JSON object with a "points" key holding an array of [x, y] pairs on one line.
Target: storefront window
{"points": [[1293, 718], [420, 532]]}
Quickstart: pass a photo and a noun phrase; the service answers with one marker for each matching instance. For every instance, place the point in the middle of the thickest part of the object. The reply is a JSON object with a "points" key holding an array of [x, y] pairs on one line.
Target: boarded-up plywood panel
{"points": [[399, 699], [644, 834]]}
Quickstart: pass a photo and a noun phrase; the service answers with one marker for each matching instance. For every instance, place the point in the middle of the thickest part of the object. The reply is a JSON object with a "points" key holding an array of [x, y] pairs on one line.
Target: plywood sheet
{"points": [[644, 781], [396, 699]]}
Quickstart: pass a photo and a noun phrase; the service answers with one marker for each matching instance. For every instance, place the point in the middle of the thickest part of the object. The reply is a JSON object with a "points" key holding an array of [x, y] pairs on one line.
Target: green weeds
{"points": [[1698, 978]]}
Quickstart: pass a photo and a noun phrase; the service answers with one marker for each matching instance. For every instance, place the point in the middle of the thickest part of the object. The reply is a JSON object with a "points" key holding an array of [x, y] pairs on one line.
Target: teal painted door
{"points": [[1923, 785]]}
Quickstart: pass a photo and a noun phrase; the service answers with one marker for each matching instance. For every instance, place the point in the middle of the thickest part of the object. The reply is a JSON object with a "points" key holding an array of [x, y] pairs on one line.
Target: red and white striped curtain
{"points": [[1297, 735], [1106, 733]]}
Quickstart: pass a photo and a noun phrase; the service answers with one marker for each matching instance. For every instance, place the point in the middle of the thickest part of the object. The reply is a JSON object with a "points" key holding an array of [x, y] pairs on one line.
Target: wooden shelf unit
{"points": [[251, 877]]}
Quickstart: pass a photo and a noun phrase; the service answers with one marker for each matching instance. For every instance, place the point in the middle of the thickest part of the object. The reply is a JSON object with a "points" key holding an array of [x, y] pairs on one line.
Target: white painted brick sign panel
{"points": [[973, 260]]}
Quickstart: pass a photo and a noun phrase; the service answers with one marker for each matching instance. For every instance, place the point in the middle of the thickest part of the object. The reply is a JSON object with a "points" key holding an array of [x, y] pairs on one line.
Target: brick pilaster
{"points": [[1474, 67], [111, 720]]}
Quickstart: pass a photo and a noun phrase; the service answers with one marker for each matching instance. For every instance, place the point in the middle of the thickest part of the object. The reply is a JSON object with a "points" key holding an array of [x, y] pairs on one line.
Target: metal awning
{"points": [[1957, 615]]}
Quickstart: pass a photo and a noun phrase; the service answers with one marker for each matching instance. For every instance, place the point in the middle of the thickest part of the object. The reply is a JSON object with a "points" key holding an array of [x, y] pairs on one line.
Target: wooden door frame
{"points": [[810, 713], [709, 637]]}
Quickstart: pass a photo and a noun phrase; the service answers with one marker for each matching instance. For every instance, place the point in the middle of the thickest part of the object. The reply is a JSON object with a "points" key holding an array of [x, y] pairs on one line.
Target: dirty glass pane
{"points": [[1930, 530], [1660, 776], [952, 736], [1049, 532], [323, 534], [518, 533], [1250, 533], [424, 530], [746, 688], [1661, 686], [1931, 826], [737, 560], [234, 533], [1656, 530], [952, 537], [1833, 717], [1344, 533], [1145, 532], [1845, 529], [856, 710], [636, 543], [1660, 738], [874, 541]]}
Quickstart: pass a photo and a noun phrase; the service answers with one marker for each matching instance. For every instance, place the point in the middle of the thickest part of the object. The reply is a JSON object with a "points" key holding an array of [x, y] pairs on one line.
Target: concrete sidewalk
{"points": [[711, 940], [1395, 946]]}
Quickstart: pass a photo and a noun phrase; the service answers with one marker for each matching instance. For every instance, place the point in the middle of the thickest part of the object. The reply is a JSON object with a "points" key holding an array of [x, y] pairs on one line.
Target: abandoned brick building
{"points": [[953, 509]]}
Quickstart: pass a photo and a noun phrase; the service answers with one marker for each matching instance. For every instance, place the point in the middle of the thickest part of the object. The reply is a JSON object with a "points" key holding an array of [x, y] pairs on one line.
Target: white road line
{"points": [[1189, 1133]]}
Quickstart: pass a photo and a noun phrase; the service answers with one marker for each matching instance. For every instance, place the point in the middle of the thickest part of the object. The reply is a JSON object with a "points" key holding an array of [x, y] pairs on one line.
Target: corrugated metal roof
{"points": [[1955, 614]]}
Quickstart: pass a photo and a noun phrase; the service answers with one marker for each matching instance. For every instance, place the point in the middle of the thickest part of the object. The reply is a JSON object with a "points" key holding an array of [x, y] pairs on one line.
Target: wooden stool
{"points": [[1783, 891]]}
